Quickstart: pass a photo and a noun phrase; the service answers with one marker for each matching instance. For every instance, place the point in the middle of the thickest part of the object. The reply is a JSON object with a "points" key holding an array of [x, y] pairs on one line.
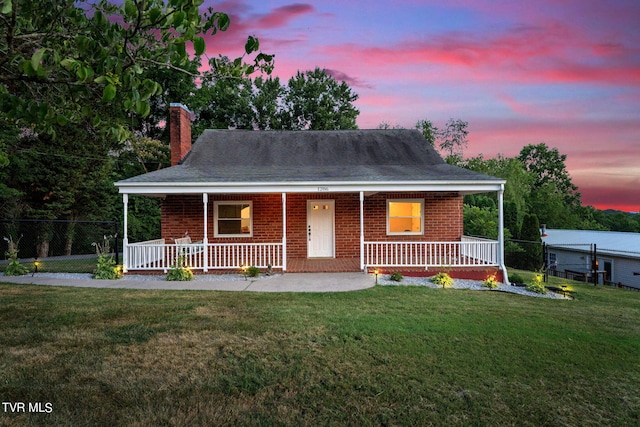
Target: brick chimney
{"points": [[180, 132]]}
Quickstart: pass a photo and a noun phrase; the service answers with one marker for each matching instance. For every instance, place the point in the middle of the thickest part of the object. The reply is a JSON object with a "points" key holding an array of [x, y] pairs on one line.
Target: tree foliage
{"points": [[315, 100], [549, 169], [310, 100], [452, 139], [63, 57], [531, 258]]}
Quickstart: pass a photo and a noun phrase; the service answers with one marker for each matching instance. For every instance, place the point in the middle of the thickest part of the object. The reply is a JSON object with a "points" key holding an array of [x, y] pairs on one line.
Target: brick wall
{"points": [[442, 212], [443, 219], [182, 214]]}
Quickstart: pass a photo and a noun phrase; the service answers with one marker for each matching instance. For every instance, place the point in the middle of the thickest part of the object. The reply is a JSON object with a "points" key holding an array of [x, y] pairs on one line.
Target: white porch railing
{"points": [[158, 255], [469, 252], [233, 255]]}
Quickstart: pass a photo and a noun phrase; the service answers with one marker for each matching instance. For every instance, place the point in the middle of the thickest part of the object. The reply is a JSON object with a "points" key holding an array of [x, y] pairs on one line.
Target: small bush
{"points": [[179, 271], [442, 279], [537, 285], [516, 278], [107, 268], [396, 276], [14, 268], [490, 282], [253, 271]]}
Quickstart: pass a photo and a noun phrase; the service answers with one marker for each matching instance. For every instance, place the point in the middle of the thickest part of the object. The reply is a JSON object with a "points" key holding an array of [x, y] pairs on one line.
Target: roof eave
{"points": [[463, 186]]}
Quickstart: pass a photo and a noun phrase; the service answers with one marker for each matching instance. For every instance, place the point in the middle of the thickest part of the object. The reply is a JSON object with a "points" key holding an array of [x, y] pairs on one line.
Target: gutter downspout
{"points": [[501, 234]]}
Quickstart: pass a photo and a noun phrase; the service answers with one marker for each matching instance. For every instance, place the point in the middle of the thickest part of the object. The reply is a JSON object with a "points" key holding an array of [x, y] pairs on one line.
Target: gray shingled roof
{"points": [[239, 156]]}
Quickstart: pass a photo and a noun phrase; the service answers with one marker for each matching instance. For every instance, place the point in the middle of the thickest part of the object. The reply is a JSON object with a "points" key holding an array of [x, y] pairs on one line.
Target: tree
{"points": [[428, 130], [453, 139], [222, 103], [532, 243], [517, 189], [315, 100], [548, 167], [70, 179], [267, 102], [62, 57]]}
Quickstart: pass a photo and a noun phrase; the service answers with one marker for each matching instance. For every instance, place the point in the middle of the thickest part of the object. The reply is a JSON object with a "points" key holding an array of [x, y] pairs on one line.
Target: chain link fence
{"points": [[57, 245]]}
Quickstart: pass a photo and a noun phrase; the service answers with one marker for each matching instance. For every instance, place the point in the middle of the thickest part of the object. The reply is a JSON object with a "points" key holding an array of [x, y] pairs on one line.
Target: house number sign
{"points": [[323, 188]]}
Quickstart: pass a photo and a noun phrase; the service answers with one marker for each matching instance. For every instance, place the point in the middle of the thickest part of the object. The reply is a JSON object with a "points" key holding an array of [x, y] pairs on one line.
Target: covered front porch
{"points": [[280, 237]]}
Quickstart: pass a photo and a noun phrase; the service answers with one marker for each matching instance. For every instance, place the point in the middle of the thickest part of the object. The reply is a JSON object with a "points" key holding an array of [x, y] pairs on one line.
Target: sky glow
{"points": [[563, 73]]}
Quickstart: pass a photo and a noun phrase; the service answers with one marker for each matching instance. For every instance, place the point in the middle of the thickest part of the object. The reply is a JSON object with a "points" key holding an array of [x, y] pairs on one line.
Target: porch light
{"points": [[36, 264]]}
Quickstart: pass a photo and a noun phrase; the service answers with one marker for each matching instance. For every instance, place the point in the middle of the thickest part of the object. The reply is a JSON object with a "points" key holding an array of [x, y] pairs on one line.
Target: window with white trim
{"points": [[233, 219], [405, 216]]}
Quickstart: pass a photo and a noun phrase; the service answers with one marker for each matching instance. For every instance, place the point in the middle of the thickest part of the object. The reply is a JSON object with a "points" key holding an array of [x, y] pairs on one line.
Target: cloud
{"points": [[280, 17], [351, 81], [550, 53]]}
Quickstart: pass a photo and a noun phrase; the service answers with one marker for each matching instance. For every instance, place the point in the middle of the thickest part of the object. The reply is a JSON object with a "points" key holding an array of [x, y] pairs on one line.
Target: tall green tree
{"points": [[223, 102], [315, 100], [532, 243], [548, 166], [267, 102], [517, 189]]}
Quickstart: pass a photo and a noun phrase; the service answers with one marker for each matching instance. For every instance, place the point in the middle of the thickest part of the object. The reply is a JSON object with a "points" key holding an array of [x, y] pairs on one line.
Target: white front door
{"points": [[320, 228]]}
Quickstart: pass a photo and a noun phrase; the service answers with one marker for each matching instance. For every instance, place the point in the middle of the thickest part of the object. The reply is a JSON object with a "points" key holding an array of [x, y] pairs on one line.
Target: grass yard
{"points": [[385, 356], [62, 265]]}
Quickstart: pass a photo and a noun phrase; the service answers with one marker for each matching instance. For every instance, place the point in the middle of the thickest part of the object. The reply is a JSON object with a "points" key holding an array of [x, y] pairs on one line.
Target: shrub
{"points": [[106, 268], [253, 271], [516, 278], [396, 276], [442, 279], [14, 268], [537, 285], [490, 282], [179, 271]]}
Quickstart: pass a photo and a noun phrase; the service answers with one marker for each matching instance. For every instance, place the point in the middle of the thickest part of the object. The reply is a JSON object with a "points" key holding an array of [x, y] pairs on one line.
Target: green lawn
{"points": [[78, 265], [383, 356]]}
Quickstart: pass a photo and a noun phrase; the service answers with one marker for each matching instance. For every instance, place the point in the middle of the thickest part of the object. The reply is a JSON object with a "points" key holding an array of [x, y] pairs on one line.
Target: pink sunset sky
{"points": [[566, 73]]}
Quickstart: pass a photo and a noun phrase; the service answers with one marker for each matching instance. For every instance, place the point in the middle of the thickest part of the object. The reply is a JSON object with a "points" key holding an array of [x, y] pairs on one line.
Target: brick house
{"points": [[307, 201]]}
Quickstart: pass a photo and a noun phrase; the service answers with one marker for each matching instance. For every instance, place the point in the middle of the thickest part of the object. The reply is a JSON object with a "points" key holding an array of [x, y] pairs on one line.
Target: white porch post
{"points": [[284, 232], [362, 230], [205, 238], [125, 237], [501, 232]]}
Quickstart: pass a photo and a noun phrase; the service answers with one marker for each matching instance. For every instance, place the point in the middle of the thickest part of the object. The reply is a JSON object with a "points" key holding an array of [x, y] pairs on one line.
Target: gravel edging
{"points": [[475, 285]]}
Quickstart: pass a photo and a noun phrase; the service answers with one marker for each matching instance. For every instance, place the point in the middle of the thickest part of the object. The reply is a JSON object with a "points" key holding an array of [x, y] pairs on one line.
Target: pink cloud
{"points": [[351, 81], [281, 16]]}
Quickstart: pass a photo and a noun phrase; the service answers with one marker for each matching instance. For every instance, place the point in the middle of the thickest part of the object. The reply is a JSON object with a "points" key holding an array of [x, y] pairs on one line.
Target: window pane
{"points": [[234, 219], [405, 217], [404, 209], [404, 225], [230, 211], [229, 226]]}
